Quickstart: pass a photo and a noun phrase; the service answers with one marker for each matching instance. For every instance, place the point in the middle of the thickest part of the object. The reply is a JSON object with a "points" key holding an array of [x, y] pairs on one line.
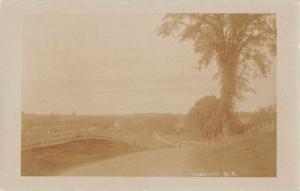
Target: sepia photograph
{"points": [[149, 94], [145, 95]]}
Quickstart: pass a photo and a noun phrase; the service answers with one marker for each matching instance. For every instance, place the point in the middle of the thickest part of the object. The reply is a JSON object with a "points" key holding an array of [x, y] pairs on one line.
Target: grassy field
{"points": [[51, 160], [244, 156]]}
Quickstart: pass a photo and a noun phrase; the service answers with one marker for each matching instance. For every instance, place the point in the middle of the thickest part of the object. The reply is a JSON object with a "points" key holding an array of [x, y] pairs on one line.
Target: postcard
{"points": [[149, 95]]}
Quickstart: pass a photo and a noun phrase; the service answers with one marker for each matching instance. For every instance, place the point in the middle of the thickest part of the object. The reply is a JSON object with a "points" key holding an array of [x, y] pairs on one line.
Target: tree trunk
{"points": [[226, 123], [228, 90]]}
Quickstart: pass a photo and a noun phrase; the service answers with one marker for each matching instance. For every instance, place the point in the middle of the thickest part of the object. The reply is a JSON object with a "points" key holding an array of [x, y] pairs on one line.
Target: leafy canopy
{"points": [[246, 42]]}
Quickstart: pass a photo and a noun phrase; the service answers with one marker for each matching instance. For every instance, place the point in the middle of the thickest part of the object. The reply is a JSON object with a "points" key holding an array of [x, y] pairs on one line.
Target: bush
{"points": [[204, 118]]}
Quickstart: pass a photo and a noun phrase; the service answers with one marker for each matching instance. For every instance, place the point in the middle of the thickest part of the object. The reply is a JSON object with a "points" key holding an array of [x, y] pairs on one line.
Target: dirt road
{"points": [[162, 162]]}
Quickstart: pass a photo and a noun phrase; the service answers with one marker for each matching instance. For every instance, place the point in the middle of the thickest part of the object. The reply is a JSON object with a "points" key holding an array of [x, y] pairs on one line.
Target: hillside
{"points": [[51, 160]]}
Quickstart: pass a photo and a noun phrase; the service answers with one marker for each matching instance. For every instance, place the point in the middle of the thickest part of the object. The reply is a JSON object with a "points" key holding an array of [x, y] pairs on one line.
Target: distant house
{"points": [[116, 124]]}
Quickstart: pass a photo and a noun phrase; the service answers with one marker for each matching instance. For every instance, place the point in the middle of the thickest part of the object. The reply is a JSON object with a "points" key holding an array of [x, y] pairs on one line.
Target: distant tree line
{"points": [[51, 120], [150, 122]]}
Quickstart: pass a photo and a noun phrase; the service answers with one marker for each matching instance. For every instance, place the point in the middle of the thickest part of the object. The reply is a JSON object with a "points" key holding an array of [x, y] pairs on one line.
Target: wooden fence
{"points": [[46, 136], [263, 127]]}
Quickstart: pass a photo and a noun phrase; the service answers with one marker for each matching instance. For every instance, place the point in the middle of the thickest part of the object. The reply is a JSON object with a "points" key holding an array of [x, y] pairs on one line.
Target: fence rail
{"points": [[47, 136], [255, 129]]}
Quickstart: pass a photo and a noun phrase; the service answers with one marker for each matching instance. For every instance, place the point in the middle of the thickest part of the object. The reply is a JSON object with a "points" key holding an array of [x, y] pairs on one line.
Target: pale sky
{"points": [[114, 63]]}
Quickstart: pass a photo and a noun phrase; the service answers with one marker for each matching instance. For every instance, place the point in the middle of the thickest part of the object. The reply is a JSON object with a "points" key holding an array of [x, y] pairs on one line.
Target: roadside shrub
{"points": [[204, 118]]}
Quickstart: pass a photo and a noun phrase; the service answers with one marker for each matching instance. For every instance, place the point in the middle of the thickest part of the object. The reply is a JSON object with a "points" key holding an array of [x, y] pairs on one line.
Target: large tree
{"points": [[240, 44]]}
